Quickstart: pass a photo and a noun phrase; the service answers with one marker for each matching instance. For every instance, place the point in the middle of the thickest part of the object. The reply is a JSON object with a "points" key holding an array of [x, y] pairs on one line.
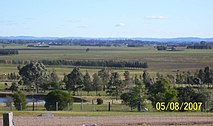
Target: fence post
{"points": [[68, 106], [109, 107], [21, 106], [33, 106], [56, 106], [8, 119], [82, 105], [139, 106]]}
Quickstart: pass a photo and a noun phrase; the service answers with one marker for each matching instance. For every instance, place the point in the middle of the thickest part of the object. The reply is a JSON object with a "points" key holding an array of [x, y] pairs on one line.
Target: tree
{"points": [[208, 76], [61, 97], [53, 77], [201, 75], [136, 95], [96, 83], [179, 78], [205, 96], [34, 74], [162, 91], [19, 99], [51, 86], [105, 76], [186, 94], [171, 78], [87, 83], [158, 76], [52, 83], [115, 86], [146, 79], [74, 80], [87, 50], [12, 76], [127, 79], [65, 79]]}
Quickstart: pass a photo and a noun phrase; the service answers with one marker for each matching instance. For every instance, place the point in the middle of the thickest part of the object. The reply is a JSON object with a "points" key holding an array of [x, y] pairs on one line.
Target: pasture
{"points": [[158, 61]]}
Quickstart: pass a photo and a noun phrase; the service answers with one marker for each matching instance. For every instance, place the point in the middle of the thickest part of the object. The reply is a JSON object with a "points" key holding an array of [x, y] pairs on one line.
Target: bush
{"points": [[99, 101], [19, 99], [61, 97]]}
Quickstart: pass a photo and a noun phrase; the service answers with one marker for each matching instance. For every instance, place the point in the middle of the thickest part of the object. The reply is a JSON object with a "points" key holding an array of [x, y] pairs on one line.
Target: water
{"points": [[4, 99]]}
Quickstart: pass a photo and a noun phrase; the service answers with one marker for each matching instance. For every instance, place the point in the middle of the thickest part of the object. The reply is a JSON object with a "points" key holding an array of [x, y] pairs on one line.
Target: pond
{"points": [[29, 99], [5, 99]]}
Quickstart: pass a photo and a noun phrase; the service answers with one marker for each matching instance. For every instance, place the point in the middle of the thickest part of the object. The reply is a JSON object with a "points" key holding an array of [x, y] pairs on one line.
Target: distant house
{"points": [[161, 47], [201, 45], [169, 48], [38, 45]]}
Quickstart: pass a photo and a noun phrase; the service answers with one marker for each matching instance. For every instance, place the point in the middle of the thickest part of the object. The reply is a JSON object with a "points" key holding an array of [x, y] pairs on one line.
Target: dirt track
{"points": [[109, 120]]}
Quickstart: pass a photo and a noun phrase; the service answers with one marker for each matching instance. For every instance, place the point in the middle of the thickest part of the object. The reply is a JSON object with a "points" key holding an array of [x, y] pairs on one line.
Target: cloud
{"points": [[119, 25], [155, 17]]}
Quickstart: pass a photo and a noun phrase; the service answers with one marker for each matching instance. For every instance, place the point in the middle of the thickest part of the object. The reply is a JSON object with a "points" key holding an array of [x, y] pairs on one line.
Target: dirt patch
{"points": [[110, 120]]}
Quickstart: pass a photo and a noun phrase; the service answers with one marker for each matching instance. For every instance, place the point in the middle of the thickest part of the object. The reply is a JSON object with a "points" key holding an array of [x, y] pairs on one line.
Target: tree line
{"points": [[135, 91], [93, 63], [8, 52], [81, 42], [200, 77], [9, 77]]}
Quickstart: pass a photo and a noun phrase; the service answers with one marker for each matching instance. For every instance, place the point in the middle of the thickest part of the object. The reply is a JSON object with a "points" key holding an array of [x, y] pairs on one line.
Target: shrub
{"points": [[99, 101], [19, 99], [61, 97]]}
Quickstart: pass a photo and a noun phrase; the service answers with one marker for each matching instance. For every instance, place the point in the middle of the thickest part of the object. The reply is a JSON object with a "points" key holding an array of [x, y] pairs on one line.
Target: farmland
{"points": [[158, 61], [163, 62]]}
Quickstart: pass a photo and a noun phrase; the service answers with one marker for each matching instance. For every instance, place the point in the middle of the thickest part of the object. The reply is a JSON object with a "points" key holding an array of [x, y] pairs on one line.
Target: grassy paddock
{"points": [[165, 62]]}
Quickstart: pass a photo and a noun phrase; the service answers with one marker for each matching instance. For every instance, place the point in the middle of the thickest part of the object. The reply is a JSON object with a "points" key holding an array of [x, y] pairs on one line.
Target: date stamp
{"points": [[176, 106]]}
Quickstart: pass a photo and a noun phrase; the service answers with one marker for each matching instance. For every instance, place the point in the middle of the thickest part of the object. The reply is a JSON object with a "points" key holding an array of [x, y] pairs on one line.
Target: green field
{"points": [[158, 61]]}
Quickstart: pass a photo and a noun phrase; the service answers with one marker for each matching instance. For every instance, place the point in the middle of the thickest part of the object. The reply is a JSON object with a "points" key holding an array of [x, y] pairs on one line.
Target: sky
{"points": [[107, 18]]}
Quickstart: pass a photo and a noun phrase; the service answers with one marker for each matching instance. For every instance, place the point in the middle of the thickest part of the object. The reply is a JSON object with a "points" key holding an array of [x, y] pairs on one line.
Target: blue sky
{"points": [[107, 18]]}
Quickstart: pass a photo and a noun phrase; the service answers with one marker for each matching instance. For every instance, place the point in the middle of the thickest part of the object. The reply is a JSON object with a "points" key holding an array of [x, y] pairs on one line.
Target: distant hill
{"points": [[181, 39], [28, 38], [176, 40]]}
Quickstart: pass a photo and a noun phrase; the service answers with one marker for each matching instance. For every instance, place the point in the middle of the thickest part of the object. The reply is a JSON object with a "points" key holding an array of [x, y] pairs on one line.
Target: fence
{"points": [[77, 107]]}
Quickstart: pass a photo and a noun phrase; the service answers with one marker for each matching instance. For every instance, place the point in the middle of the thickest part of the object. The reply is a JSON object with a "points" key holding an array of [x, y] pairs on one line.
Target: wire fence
{"points": [[78, 107], [39, 119]]}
